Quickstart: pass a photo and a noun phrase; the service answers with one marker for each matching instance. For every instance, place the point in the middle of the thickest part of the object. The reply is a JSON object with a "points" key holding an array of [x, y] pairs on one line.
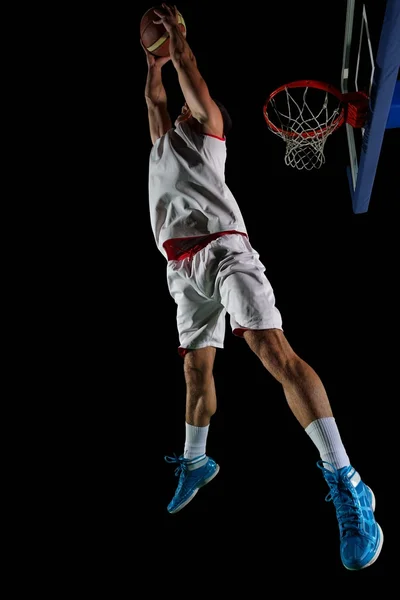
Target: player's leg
{"points": [[361, 536], [303, 390], [302, 386], [248, 297], [201, 329]]}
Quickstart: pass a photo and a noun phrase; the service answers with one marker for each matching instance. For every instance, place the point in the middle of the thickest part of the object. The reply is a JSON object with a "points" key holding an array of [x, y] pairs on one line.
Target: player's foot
{"points": [[361, 537], [193, 474]]}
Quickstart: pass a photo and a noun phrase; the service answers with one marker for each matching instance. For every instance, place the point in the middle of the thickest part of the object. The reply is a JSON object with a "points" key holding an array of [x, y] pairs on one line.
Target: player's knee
{"points": [[272, 348]]}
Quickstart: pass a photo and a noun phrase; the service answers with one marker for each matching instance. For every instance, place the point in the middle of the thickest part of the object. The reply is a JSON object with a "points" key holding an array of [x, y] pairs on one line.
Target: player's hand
{"points": [[153, 61], [168, 16]]}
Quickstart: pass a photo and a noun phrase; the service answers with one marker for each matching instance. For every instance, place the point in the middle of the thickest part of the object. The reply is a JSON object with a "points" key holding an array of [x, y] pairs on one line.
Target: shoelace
{"points": [[180, 470], [342, 494]]}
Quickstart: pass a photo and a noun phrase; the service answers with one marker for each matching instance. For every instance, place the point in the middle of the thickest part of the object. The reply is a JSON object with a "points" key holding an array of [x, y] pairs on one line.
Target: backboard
{"points": [[371, 62]]}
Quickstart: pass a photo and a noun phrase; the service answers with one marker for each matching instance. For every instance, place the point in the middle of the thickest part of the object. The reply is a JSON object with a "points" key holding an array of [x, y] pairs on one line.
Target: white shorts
{"points": [[225, 277]]}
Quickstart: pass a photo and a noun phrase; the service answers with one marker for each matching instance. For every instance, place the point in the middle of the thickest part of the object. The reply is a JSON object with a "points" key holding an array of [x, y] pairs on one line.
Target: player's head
{"points": [[186, 115]]}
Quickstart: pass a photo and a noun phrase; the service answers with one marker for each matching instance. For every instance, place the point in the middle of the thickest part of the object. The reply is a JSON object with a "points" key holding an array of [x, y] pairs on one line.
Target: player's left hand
{"points": [[155, 61], [168, 16]]}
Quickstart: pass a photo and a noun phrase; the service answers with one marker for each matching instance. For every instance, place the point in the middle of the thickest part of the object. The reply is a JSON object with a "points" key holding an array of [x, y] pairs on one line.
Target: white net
{"points": [[304, 118]]}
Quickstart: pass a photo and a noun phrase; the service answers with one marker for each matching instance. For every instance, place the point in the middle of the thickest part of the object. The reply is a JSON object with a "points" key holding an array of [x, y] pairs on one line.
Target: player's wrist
{"points": [[154, 65]]}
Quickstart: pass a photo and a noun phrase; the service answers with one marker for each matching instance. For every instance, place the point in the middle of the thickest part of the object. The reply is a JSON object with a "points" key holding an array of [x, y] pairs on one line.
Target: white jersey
{"points": [[188, 195]]}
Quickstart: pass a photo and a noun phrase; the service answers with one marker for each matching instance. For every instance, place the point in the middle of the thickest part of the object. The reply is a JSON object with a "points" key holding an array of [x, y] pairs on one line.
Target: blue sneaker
{"points": [[361, 537], [193, 474]]}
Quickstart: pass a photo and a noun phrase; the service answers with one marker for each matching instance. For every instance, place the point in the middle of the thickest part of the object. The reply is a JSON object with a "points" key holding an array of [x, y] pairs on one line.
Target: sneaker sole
{"points": [[378, 551], [210, 478]]}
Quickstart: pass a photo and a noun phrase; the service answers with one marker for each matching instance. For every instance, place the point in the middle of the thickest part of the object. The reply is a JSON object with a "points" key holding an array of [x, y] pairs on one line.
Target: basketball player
{"points": [[212, 269]]}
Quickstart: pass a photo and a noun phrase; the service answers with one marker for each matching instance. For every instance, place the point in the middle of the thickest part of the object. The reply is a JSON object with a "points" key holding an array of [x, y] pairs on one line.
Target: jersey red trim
{"points": [[223, 139]]}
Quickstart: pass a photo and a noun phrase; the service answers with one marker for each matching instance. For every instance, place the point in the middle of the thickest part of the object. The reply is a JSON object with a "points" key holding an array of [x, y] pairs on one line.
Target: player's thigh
{"points": [[200, 320], [247, 293]]}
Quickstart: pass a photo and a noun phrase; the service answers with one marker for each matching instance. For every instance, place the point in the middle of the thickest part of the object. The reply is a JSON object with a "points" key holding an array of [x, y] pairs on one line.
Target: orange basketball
{"points": [[155, 38]]}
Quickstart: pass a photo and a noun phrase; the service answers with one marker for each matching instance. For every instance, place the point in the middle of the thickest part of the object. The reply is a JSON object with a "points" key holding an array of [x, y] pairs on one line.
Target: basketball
{"points": [[155, 38]]}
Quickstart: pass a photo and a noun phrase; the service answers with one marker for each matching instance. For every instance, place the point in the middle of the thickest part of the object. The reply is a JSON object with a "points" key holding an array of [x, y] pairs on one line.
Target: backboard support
{"points": [[384, 110]]}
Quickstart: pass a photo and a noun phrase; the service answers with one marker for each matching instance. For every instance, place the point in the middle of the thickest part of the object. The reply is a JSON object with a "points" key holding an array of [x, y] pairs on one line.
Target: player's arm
{"points": [[194, 87], [156, 97]]}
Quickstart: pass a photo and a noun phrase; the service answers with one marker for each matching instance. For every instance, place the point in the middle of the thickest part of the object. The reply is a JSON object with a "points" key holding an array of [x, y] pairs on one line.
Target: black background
{"points": [[119, 375]]}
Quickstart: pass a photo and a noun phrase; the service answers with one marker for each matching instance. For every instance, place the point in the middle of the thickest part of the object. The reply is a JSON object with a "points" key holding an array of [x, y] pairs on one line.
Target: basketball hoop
{"points": [[305, 113]]}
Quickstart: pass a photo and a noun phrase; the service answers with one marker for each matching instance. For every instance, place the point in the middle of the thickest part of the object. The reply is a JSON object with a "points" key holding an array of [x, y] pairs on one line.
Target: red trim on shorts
{"points": [[183, 351], [239, 331], [180, 248]]}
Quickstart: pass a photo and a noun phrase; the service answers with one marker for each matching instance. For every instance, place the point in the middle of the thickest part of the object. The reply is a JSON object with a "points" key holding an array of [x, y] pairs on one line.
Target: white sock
{"points": [[195, 441], [325, 435]]}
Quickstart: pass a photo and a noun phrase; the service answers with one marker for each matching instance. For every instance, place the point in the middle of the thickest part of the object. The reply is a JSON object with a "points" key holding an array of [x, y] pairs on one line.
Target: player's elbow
{"points": [[155, 103]]}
